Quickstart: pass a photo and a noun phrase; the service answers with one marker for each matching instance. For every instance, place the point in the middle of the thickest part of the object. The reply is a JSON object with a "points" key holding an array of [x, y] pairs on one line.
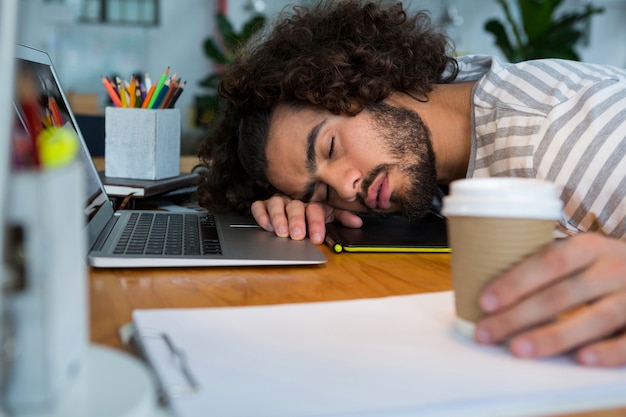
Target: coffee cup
{"points": [[493, 223]]}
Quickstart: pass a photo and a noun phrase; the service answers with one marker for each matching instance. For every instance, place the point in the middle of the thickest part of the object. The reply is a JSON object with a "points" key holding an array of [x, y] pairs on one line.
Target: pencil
{"points": [[122, 90], [110, 81], [131, 91], [159, 87], [137, 98], [112, 94], [177, 94], [142, 89], [147, 81], [57, 118], [146, 101], [162, 94], [170, 93]]}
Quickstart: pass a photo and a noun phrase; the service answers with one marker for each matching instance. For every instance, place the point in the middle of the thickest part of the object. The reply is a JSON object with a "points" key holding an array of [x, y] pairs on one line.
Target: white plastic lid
{"points": [[526, 198]]}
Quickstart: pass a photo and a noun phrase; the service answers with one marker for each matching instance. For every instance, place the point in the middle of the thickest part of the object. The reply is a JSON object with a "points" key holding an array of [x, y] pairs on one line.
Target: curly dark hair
{"points": [[339, 55]]}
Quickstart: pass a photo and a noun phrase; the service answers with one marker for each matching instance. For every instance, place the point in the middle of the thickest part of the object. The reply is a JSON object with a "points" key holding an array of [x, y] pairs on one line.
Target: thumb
{"points": [[347, 218]]}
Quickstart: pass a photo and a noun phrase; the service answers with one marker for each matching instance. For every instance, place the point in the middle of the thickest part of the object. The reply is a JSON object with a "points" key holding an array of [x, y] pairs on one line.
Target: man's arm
{"points": [[293, 218], [586, 273]]}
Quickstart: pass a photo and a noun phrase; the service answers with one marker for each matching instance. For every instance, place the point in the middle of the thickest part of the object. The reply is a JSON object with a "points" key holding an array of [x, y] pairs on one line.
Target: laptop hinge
{"points": [[99, 243]]}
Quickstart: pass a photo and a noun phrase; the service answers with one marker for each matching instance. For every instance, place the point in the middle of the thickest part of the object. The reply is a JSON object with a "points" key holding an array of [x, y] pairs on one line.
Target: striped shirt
{"points": [[562, 121]]}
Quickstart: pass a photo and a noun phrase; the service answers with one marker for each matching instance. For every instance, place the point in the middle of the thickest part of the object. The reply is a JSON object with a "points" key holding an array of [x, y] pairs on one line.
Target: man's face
{"points": [[380, 160]]}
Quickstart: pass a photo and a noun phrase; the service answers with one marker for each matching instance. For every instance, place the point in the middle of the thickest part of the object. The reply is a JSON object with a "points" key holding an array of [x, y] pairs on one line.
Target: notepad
{"points": [[391, 234], [122, 187], [393, 356]]}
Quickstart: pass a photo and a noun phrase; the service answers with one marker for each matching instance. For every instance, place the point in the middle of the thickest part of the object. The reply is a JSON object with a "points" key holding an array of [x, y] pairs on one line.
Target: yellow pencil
{"points": [[131, 91], [122, 91]]}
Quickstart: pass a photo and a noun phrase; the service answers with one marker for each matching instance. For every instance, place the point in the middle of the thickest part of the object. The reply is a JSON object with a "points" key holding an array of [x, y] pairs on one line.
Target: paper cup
{"points": [[492, 224]]}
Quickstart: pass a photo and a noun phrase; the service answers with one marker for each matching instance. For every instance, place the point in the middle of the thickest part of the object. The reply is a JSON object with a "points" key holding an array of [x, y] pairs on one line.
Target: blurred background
{"points": [[90, 38]]}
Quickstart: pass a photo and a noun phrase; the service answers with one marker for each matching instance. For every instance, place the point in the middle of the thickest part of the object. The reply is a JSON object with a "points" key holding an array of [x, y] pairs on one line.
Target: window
{"points": [[125, 12]]}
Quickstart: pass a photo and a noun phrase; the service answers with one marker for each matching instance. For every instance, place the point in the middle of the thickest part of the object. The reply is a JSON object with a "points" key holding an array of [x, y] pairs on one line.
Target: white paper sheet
{"points": [[393, 356]]}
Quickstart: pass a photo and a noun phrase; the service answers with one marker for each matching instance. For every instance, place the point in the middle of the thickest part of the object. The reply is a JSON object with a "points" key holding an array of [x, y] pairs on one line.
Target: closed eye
{"points": [[330, 155]]}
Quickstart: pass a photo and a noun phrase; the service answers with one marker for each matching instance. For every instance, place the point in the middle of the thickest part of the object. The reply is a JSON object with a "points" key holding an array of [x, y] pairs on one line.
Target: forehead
{"points": [[286, 147], [287, 121], [289, 131]]}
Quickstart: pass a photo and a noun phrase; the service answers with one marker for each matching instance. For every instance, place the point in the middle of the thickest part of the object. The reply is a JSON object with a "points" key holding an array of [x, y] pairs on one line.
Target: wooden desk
{"points": [[186, 163], [114, 293]]}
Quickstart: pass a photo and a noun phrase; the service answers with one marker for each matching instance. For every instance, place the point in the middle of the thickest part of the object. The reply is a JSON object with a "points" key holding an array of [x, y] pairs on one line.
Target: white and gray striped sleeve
{"points": [[564, 122]]}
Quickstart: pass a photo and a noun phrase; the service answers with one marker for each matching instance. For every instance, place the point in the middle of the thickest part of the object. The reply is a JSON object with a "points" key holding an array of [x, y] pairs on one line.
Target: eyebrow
{"points": [[311, 164]]}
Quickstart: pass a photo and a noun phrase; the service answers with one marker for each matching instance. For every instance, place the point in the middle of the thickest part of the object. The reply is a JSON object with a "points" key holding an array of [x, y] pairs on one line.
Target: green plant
{"points": [[221, 51], [538, 33]]}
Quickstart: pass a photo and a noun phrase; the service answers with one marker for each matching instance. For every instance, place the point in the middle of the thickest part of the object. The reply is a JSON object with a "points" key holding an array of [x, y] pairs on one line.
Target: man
{"points": [[354, 106]]}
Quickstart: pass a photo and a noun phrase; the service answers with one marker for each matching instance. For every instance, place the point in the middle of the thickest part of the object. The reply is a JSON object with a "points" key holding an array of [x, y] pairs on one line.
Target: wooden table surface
{"points": [[114, 293]]}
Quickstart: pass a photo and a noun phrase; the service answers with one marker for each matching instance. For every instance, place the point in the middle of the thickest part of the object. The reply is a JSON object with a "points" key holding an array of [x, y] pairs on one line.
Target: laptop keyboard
{"points": [[169, 234]]}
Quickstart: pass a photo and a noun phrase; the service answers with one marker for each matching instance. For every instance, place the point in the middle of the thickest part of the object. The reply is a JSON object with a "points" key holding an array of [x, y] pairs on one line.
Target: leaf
{"points": [[502, 39], [211, 80], [226, 30], [544, 36], [251, 27], [571, 20], [214, 52], [221, 50], [537, 16]]}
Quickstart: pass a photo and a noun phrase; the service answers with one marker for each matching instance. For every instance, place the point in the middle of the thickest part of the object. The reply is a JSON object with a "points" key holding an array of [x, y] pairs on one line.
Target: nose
{"points": [[345, 182]]}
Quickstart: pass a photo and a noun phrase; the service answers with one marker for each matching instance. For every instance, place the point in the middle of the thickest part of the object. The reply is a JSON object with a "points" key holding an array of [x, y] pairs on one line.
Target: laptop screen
{"points": [[36, 76]]}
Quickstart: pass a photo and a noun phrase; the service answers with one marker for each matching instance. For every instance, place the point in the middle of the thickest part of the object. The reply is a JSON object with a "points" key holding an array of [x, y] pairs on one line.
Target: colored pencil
{"points": [[122, 92], [162, 94], [170, 93], [137, 98], [159, 87], [132, 86], [177, 94], [57, 118], [112, 94], [146, 101]]}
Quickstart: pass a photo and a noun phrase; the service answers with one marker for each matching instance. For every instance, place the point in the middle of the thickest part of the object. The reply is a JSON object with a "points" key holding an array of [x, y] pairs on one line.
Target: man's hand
{"points": [[527, 304], [291, 218]]}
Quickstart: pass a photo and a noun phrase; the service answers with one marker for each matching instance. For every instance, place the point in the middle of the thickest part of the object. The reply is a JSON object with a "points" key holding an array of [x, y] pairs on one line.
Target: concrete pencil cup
{"points": [[142, 143]]}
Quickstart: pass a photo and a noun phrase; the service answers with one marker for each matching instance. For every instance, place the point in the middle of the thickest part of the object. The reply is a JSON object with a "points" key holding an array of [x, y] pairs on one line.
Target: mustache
{"points": [[369, 180]]}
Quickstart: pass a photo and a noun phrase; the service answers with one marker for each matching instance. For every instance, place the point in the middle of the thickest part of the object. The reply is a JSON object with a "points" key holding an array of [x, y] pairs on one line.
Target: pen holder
{"points": [[47, 305], [142, 143]]}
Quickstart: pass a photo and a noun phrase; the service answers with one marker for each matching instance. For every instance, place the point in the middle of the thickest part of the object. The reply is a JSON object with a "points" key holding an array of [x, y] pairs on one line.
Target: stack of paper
{"points": [[395, 356]]}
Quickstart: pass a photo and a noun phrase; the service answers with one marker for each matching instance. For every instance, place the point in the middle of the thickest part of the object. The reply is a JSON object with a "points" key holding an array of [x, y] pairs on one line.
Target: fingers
{"points": [[348, 218], [558, 261], [590, 272], [296, 224], [608, 353], [260, 214], [271, 214], [595, 322], [531, 311], [286, 217], [292, 218], [316, 221]]}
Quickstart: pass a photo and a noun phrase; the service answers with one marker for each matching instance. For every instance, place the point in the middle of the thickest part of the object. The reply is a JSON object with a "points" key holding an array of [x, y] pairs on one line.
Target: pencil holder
{"points": [[142, 143], [47, 306]]}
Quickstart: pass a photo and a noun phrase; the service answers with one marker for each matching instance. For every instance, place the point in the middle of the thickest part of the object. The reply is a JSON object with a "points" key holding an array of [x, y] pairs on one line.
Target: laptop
{"points": [[135, 238]]}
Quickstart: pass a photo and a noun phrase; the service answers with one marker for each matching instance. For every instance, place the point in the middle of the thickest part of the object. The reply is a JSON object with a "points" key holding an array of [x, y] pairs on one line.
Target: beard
{"points": [[408, 140]]}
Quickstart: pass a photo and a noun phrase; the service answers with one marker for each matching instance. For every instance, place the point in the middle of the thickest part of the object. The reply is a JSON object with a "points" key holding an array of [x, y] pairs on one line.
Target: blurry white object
{"points": [[8, 30]]}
